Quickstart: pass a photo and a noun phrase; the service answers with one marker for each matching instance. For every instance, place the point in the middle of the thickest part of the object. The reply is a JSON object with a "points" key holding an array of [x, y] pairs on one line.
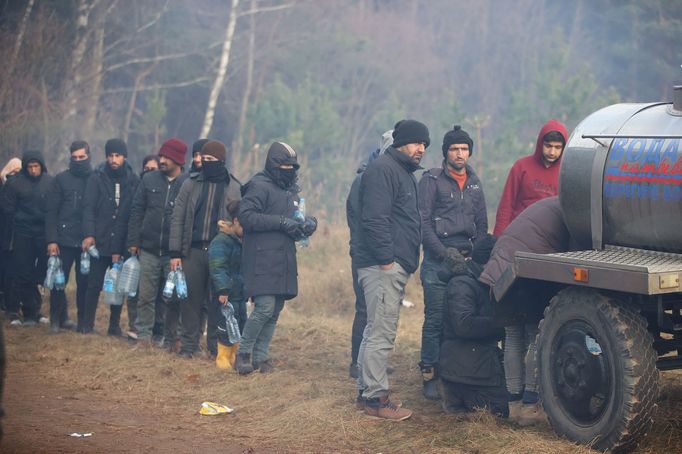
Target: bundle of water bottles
{"points": [[299, 215], [85, 259], [54, 279], [175, 282], [232, 326], [121, 280]]}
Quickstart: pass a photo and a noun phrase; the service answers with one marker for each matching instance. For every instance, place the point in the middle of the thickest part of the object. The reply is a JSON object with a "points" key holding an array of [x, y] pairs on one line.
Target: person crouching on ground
{"points": [[471, 371], [224, 264], [266, 213]]}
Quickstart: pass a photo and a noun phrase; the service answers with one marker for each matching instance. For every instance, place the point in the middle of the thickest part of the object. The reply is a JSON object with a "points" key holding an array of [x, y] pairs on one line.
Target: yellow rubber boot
{"points": [[222, 359], [233, 354]]}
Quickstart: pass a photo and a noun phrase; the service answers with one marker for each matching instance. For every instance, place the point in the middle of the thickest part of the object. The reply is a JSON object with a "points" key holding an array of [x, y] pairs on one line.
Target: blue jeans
{"points": [[434, 299], [260, 327]]}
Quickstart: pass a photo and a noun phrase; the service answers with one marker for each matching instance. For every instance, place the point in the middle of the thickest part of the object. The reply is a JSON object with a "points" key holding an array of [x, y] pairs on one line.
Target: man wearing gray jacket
{"points": [[200, 204]]}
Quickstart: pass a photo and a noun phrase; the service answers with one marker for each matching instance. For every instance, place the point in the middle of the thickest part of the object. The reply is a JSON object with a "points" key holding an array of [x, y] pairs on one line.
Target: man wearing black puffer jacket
{"points": [[388, 254], [108, 189], [24, 204], [453, 214], [266, 213], [471, 372], [64, 231]]}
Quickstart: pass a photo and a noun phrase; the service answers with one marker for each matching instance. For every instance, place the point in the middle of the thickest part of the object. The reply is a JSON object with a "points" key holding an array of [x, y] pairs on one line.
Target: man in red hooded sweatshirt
{"points": [[533, 177]]}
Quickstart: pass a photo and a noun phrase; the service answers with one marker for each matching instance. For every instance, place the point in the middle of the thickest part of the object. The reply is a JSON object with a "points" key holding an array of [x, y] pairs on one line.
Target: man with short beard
{"points": [[24, 205], [533, 177], [454, 216], [106, 193], [64, 231], [148, 234]]}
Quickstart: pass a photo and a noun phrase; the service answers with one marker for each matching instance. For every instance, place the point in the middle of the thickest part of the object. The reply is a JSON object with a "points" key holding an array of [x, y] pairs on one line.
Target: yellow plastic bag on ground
{"points": [[213, 409]]}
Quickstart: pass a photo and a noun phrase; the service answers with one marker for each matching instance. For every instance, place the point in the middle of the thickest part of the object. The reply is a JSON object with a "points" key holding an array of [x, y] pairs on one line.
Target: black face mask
{"points": [[115, 173], [285, 178], [80, 168], [214, 170]]}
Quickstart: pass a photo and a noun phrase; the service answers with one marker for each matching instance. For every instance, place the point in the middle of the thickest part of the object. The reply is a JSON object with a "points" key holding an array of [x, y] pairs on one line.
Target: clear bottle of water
{"points": [[129, 278], [231, 323], [85, 263], [299, 215], [180, 283], [48, 283], [110, 285], [59, 278], [94, 253], [169, 287]]}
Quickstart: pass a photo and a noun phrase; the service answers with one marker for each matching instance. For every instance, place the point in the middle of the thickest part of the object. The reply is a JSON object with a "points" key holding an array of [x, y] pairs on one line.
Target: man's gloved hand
{"points": [[310, 225], [455, 261], [291, 227]]}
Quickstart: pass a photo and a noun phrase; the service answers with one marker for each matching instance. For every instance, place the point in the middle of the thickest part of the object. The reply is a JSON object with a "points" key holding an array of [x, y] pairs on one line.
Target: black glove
{"points": [[455, 261], [310, 225], [291, 227]]}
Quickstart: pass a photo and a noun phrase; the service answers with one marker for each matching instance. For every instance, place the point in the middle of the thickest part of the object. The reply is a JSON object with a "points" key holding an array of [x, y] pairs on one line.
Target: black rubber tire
{"points": [[628, 403]]}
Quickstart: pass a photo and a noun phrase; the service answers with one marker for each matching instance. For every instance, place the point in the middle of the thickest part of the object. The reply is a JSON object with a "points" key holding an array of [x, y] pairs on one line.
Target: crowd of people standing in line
{"points": [[236, 242]]}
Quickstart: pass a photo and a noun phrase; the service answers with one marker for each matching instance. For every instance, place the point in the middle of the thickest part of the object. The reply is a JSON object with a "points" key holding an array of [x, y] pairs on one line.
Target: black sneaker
{"points": [[114, 331], [353, 371]]}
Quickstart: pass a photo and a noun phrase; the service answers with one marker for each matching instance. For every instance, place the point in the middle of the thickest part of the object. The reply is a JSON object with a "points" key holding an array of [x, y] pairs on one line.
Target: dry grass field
{"points": [[147, 400]]}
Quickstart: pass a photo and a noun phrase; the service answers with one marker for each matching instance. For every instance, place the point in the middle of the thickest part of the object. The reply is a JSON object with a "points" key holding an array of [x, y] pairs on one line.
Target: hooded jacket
{"points": [[539, 229], [225, 264], [102, 216], [64, 224], [469, 353], [269, 255], [391, 225], [151, 212], [529, 180], [24, 199], [450, 217]]}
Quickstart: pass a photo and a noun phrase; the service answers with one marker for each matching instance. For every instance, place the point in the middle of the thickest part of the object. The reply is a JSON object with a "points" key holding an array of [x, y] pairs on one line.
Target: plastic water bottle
{"points": [[299, 215], [59, 278], [51, 270], [85, 263], [94, 253], [169, 287], [180, 283], [110, 285], [231, 323], [129, 278]]}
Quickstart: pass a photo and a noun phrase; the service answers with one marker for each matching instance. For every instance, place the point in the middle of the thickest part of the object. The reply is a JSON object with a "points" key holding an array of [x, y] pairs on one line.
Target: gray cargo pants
{"points": [[384, 291]]}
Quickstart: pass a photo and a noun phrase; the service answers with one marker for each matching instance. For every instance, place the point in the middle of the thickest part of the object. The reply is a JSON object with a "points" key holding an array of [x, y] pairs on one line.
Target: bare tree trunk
{"points": [[248, 85], [95, 90], [222, 70], [73, 78], [17, 47]]}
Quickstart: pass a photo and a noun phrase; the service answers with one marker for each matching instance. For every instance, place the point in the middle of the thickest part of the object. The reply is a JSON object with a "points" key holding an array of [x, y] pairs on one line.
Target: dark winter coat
{"points": [[64, 224], [353, 214], [102, 218], [24, 199], [151, 212], [450, 217], [539, 229], [225, 266], [389, 213], [182, 220], [469, 353], [269, 254]]}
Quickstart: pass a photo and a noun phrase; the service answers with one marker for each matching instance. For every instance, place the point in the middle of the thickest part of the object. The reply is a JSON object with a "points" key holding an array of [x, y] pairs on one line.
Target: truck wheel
{"points": [[597, 370]]}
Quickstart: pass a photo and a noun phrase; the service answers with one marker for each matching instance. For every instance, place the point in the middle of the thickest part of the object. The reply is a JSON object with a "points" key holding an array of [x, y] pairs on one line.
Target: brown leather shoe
{"points": [[361, 402], [383, 408], [531, 415]]}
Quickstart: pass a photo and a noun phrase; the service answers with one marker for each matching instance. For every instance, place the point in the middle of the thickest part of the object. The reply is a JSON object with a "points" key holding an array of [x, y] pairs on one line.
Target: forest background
{"points": [[326, 76]]}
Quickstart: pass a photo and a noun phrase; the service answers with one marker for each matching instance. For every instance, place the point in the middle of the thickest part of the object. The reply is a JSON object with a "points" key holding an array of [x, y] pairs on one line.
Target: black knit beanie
{"points": [[410, 131], [196, 146], [116, 146], [457, 135]]}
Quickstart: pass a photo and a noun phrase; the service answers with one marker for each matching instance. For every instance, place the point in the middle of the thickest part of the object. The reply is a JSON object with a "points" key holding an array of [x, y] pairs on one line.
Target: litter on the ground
{"points": [[80, 434], [406, 303], [213, 409]]}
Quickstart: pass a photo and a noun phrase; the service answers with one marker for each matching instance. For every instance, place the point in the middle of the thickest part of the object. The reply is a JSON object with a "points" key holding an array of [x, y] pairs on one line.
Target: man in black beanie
{"points": [[110, 187], [453, 215], [388, 253]]}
